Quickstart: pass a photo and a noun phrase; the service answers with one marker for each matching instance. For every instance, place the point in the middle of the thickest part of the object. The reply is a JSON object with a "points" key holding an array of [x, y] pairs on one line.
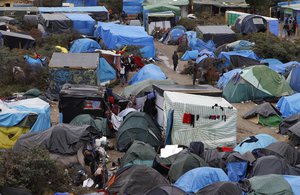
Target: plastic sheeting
{"points": [[105, 72], [226, 77], [289, 105], [79, 3], [14, 112], [149, 71], [84, 45], [190, 55], [236, 171], [116, 36], [294, 182], [244, 53], [263, 141], [82, 23], [196, 179], [132, 6], [72, 9], [294, 78]]}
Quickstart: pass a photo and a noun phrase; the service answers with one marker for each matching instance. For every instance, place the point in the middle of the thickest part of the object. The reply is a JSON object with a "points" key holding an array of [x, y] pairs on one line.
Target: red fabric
{"points": [[111, 100], [225, 149], [138, 61], [187, 118]]}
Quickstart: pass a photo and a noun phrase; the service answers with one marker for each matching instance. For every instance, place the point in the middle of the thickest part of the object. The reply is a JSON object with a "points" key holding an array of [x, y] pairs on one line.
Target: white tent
{"points": [[214, 119]]}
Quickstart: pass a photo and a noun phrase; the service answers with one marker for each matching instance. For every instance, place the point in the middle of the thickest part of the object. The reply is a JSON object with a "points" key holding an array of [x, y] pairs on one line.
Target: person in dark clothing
{"points": [[175, 60], [294, 25], [195, 71]]}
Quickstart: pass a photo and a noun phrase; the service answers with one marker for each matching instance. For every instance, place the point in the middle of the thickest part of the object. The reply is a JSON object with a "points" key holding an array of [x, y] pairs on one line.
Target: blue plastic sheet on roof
{"points": [[82, 23], [294, 78], [76, 2], [116, 36], [196, 179], [236, 171], [199, 59], [289, 105], [190, 55], [226, 77], [274, 64], [14, 113], [263, 141], [84, 45], [191, 37], [201, 45], [149, 71], [294, 183], [133, 6], [244, 53], [243, 45], [105, 72], [72, 9]]}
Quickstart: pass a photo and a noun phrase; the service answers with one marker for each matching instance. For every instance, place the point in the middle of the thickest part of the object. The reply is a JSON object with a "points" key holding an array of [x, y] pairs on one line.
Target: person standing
{"points": [[294, 25], [286, 26], [175, 60], [122, 75]]}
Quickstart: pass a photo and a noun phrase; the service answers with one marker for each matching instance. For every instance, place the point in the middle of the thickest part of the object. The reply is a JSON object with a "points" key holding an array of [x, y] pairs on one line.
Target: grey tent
{"points": [[139, 153], [251, 24], [295, 134], [241, 61], [166, 190], [266, 109], [60, 139], [17, 40], [8, 20], [221, 188], [287, 123], [136, 179], [56, 23], [138, 126]]}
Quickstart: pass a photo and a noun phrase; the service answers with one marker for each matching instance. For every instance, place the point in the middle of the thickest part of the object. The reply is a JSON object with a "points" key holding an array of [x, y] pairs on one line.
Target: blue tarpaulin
{"points": [[249, 144], [243, 53], [226, 77], [236, 171], [116, 36], [190, 55], [191, 37], [78, 3], [13, 113], [294, 78], [133, 6], [84, 45], [201, 45], [275, 65], [289, 105], [82, 23], [196, 179], [86, 9], [294, 182], [149, 71], [105, 72]]}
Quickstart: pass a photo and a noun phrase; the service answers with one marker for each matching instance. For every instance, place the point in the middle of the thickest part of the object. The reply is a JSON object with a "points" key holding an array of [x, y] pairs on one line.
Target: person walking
{"points": [[175, 60]]}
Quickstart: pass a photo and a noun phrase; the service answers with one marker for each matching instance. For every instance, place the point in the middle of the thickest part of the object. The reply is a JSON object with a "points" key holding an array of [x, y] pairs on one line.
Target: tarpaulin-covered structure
{"points": [[82, 23], [105, 72], [149, 71], [84, 45], [116, 36], [56, 23], [281, 68], [226, 77], [294, 78], [173, 35], [16, 40], [190, 55], [79, 3], [243, 53], [133, 6], [289, 105], [251, 24]]}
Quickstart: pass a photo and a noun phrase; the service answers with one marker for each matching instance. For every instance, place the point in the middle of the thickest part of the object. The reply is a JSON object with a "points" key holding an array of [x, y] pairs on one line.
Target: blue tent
{"points": [[275, 65], [294, 78], [82, 23], [196, 179], [190, 55], [289, 105], [105, 72], [13, 113], [84, 45], [79, 3], [294, 182], [149, 71], [236, 171], [254, 142], [115, 36], [133, 6], [243, 53], [191, 37], [173, 35], [226, 77]]}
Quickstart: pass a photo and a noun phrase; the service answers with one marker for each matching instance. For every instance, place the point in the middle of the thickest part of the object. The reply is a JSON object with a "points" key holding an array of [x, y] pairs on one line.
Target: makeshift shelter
{"points": [[251, 24], [295, 134], [79, 3], [273, 64], [287, 123], [133, 179], [237, 61], [218, 34], [279, 67], [105, 72], [149, 71], [60, 139], [116, 36], [244, 53], [294, 79], [256, 83], [190, 55], [161, 21], [196, 179], [17, 40], [82, 23], [289, 105], [8, 20], [139, 153], [195, 118], [56, 23], [226, 77], [254, 142], [73, 68], [84, 45], [266, 113], [133, 6], [173, 35], [221, 187], [165, 190], [138, 126]]}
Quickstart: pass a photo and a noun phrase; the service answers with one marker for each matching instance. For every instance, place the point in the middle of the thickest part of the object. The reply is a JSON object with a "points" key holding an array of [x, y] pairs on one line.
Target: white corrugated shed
{"points": [[213, 133]]}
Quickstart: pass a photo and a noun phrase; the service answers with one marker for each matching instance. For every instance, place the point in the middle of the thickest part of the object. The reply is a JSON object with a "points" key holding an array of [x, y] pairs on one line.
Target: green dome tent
{"points": [[255, 83]]}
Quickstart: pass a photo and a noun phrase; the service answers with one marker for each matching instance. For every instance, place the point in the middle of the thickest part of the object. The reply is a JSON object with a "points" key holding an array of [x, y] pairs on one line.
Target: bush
{"points": [[33, 170]]}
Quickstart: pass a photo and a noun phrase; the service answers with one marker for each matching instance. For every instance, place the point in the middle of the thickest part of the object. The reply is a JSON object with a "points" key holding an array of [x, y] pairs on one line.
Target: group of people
{"points": [[290, 25]]}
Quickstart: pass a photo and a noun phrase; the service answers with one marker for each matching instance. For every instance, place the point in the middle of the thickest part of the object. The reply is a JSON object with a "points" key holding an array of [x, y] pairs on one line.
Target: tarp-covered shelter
{"points": [[295, 134], [80, 3], [173, 35], [221, 187], [237, 61], [287, 123], [56, 23], [138, 126], [218, 34], [60, 139], [133, 6], [17, 40], [226, 77], [243, 53], [149, 71], [8, 20], [116, 36], [193, 119], [251, 24], [289, 105], [294, 78], [73, 68], [84, 45], [256, 83], [105, 72], [82, 23], [159, 20], [166, 190]]}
